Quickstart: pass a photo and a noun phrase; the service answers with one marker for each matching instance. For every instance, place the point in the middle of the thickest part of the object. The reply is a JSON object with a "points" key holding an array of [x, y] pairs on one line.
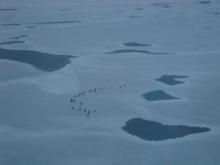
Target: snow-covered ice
{"points": [[73, 72]]}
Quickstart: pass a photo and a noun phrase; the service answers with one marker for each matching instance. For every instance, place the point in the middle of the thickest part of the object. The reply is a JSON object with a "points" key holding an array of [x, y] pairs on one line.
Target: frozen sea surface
{"points": [[59, 110]]}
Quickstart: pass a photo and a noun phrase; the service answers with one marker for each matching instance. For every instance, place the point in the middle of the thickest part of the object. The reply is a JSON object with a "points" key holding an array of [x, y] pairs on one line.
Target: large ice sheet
{"points": [[74, 114]]}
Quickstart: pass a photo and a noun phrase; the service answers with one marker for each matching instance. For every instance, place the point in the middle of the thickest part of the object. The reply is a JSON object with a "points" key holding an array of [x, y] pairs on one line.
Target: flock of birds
{"points": [[78, 104]]}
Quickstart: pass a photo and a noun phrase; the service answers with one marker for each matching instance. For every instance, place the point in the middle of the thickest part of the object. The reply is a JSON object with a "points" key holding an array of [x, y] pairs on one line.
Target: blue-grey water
{"points": [[126, 51], [158, 95], [11, 42], [171, 79], [136, 44], [156, 131], [43, 61]]}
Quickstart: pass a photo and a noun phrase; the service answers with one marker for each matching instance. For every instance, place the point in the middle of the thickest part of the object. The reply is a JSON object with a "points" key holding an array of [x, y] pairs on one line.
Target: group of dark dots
{"points": [[77, 99]]}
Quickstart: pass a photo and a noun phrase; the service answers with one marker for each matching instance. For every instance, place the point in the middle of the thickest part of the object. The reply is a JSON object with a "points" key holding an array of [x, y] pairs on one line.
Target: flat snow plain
{"points": [[74, 73]]}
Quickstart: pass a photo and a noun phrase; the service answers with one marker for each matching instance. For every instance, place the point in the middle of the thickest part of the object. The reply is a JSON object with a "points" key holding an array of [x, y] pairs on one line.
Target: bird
{"points": [[88, 113], [81, 103], [73, 108], [80, 109]]}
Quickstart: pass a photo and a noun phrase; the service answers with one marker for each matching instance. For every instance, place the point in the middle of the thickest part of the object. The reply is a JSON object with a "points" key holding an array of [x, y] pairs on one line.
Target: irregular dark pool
{"points": [[11, 42], [133, 51], [11, 24], [135, 44], [171, 79], [8, 9], [162, 4], [205, 2], [43, 61], [155, 131], [158, 95], [55, 22], [20, 36]]}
